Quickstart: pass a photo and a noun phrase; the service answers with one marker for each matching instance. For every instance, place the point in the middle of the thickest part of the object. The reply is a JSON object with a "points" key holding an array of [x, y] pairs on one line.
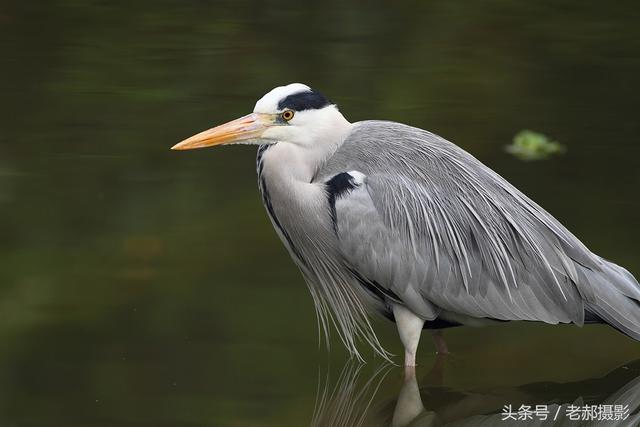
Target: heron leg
{"points": [[409, 328], [409, 404], [438, 340], [435, 377]]}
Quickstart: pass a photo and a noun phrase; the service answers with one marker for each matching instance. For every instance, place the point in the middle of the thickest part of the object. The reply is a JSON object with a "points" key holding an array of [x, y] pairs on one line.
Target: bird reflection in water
{"points": [[352, 400]]}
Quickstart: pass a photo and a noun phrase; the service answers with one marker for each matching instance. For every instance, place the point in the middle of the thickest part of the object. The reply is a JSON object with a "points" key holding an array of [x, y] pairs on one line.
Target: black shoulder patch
{"points": [[336, 187], [340, 184], [308, 100]]}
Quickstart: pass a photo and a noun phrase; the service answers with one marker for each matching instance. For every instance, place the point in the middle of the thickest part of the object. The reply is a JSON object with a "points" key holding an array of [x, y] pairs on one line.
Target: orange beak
{"points": [[251, 126]]}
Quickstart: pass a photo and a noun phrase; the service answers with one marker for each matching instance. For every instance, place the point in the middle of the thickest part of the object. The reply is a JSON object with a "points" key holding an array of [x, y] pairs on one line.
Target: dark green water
{"points": [[140, 286]]}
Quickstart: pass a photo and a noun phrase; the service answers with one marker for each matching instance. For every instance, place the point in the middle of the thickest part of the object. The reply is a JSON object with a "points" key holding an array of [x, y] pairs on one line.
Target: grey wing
{"points": [[439, 230], [418, 270]]}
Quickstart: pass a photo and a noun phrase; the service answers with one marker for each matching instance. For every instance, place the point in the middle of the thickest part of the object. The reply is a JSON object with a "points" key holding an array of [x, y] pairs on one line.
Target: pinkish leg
{"points": [[438, 340], [435, 377]]}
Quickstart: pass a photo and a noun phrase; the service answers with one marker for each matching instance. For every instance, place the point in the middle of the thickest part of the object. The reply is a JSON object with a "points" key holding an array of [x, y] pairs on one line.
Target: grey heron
{"points": [[384, 217]]}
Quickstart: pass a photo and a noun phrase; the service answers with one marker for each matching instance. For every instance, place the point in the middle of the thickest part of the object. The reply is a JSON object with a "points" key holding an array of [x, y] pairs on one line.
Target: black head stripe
{"points": [[308, 100]]}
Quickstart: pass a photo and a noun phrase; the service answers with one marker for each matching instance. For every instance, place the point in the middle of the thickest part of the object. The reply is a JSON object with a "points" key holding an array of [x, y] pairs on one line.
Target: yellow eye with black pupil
{"points": [[287, 115]]}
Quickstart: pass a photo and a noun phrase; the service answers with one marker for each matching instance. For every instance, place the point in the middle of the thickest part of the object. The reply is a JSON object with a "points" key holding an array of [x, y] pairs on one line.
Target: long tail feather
{"points": [[616, 298]]}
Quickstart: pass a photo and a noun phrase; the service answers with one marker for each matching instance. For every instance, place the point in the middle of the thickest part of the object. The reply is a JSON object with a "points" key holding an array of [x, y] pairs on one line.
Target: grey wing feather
{"points": [[442, 231]]}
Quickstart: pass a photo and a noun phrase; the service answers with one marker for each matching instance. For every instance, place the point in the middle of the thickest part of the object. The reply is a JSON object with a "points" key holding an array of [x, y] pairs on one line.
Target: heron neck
{"points": [[285, 179], [289, 196]]}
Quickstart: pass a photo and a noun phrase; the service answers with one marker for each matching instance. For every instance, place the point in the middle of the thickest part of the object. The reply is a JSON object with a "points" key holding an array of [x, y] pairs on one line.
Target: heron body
{"points": [[384, 217]]}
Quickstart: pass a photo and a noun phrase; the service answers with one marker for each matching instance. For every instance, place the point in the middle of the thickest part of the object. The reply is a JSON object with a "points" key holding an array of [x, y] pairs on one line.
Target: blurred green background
{"points": [[140, 286]]}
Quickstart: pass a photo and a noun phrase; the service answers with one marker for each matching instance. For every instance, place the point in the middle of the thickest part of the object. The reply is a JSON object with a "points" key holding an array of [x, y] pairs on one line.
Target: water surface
{"points": [[141, 286]]}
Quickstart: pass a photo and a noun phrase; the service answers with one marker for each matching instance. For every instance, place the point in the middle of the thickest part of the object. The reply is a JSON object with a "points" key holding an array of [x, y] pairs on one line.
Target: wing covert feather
{"points": [[442, 231]]}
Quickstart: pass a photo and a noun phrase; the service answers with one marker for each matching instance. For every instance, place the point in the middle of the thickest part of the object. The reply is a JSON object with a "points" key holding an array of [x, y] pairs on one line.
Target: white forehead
{"points": [[269, 102]]}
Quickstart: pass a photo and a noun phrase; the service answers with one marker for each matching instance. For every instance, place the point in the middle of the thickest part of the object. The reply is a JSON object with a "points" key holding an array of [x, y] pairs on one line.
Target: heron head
{"points": [[293, 114]]}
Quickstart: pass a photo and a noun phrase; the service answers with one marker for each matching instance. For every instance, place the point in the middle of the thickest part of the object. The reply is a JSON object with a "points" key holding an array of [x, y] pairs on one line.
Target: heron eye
{"points": [[287, 115]]}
